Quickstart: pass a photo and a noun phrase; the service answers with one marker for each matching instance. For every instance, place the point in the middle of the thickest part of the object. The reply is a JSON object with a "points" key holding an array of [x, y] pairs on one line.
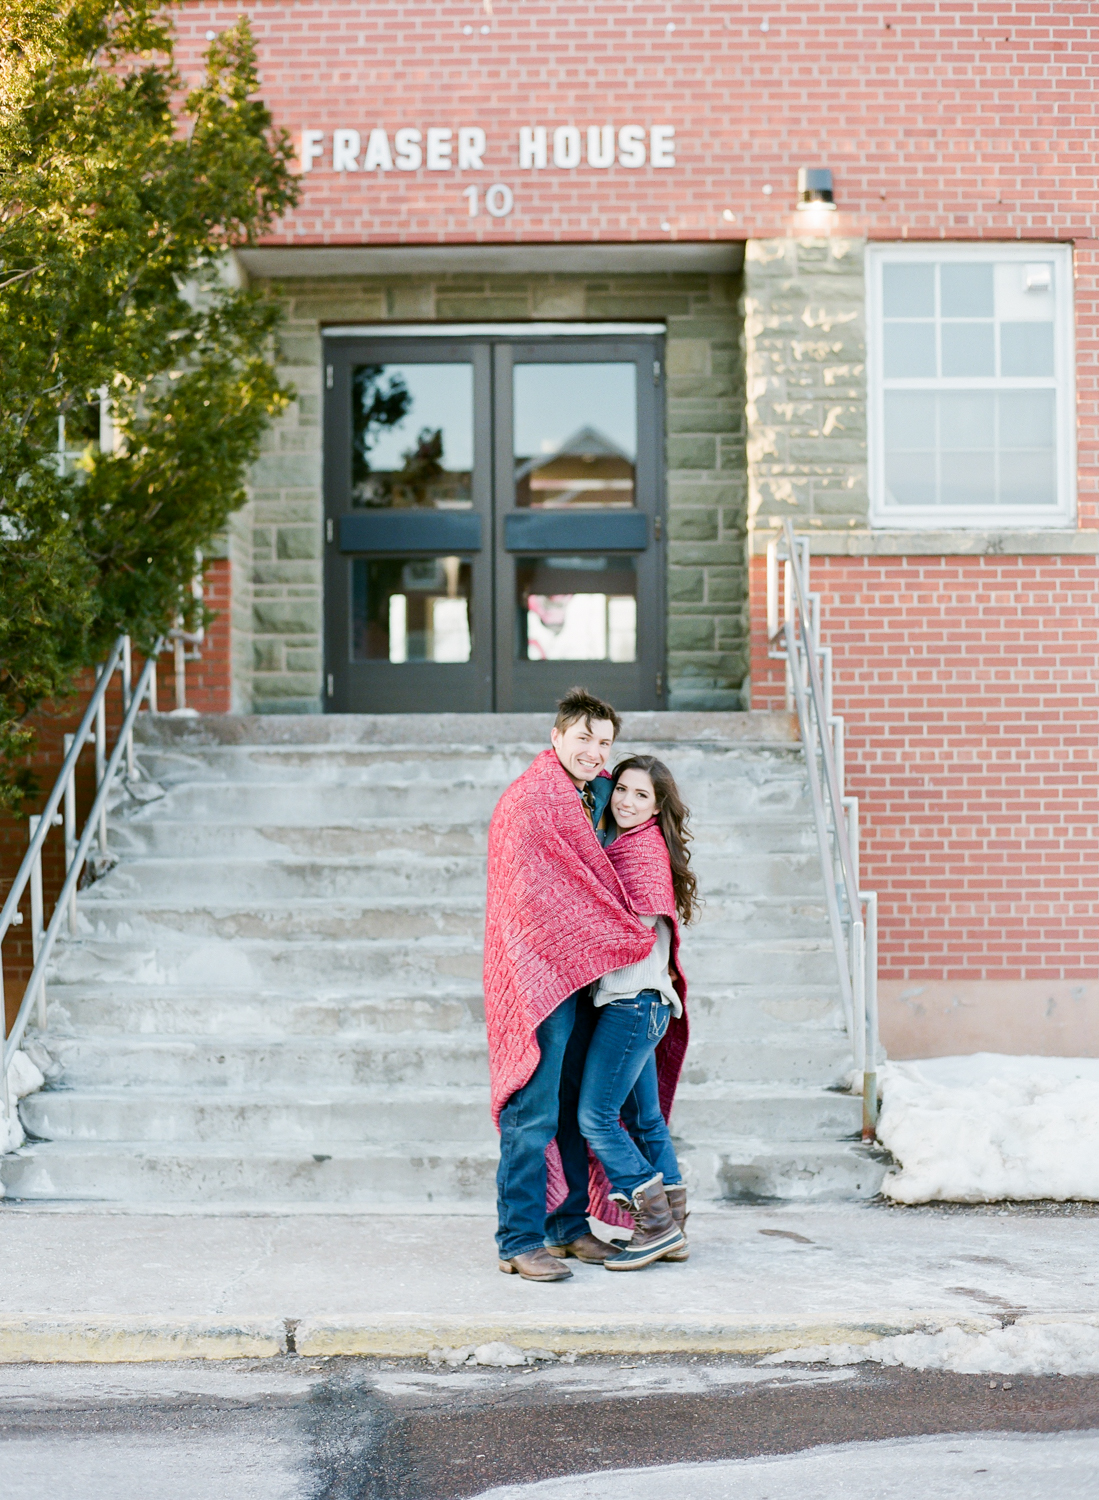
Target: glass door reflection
{"points": [[574, 434], [412, 436]]}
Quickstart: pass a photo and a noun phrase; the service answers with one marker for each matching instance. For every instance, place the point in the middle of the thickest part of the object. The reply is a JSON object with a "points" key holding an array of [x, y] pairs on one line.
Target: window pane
{"points": [[969, 478], [968, 349], [967, 419], [910, 478], [1026, 419], [410, 609], [965, 290], [576, 608], [1026, 348], [1028, 478], [908, 290], [909, 419], [575, 434], [412, 436], [909, 350]]}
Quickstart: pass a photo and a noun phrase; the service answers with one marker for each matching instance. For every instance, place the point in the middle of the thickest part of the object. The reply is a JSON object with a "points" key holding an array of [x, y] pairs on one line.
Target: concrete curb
{"points": [[121, 1340]]}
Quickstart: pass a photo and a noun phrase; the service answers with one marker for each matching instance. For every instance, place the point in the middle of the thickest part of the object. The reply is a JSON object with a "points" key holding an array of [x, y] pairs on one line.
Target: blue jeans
{"points": [[621, 1066], [543, 1108]]}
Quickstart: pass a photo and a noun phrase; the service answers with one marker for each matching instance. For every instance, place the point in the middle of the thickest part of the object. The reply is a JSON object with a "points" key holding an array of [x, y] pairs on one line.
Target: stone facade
{"points": [[706, 474], [805, 349]]}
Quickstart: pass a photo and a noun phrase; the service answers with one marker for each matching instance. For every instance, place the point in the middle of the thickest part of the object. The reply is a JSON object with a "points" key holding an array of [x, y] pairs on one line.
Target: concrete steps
{"points": [[275, 995]]}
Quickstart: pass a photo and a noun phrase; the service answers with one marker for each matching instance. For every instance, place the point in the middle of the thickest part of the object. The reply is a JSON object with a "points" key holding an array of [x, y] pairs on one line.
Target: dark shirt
{"points": [[596, 796]]}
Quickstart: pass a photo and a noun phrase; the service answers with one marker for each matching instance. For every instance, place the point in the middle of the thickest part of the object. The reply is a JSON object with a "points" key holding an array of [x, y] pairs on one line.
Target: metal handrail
{"points": [[76, 849], [852, 913]]}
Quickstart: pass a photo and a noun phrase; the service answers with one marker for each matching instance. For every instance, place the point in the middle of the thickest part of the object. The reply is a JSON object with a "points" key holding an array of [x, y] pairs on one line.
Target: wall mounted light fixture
{"points": [[815, 188]]}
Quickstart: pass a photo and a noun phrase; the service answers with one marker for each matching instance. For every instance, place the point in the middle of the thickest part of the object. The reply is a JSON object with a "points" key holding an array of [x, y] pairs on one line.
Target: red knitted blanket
{"points": [[640, 859], [557, 917]]}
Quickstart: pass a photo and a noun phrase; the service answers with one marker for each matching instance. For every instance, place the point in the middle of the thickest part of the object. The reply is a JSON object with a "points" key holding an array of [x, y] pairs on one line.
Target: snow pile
{"points": [[23, 1078], [982, 1128], [1024, 1348], [498, 1355]]}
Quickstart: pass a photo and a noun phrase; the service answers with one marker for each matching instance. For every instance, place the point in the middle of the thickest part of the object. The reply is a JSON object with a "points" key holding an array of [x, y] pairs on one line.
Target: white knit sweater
{"points": [[650, 974]]}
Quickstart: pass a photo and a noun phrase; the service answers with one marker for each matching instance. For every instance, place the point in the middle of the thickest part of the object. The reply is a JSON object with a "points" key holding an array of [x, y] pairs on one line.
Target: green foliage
{"points": [[119, 197]]}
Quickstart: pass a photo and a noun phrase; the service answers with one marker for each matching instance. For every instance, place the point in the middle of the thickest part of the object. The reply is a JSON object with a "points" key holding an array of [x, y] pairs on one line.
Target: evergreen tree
{"points": [[121, 193]]}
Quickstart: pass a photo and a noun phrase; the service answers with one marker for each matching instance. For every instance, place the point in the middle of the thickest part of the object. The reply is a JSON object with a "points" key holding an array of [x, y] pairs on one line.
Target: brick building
{"points": [[567, 347]]}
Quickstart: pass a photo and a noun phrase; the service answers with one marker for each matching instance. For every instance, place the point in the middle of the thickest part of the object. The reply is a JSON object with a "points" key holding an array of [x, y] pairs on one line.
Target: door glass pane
{"points": [[410, 609], [575, 434], [576, 608], [412, 436]]}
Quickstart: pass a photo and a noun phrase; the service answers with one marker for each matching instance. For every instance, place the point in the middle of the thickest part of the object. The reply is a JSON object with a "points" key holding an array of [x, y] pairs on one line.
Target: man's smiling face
{"points": [[583, 748]]}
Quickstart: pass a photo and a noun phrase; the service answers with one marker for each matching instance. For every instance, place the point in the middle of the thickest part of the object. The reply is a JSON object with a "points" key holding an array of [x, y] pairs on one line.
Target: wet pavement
{"points": [[347, 1429]]}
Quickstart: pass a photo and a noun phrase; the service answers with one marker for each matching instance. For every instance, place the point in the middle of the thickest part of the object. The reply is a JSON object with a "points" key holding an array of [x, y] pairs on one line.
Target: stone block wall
{"points": [[805, 354], [707, 486]]}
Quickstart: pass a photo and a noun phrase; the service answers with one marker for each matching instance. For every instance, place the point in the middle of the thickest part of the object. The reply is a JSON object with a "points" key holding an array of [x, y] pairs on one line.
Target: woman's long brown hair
{"points": [[672, 816]]}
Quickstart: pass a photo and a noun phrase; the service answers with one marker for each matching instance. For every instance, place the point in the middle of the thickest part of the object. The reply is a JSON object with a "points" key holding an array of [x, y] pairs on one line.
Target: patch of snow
{"points": [[983, 1128], [1011, 1466], [23, 1079], [497, 1355], [1069, 1347]]}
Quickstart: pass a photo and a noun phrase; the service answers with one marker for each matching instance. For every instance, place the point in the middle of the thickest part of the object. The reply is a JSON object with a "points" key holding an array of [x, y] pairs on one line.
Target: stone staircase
{"points": [[275, 995]]}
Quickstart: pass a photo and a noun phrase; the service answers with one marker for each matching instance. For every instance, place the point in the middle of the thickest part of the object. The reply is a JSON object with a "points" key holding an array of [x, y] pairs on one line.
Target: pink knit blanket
{"points": [[557, 917]]}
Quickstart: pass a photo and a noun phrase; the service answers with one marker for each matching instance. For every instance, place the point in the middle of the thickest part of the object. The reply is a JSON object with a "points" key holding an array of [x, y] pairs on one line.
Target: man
{"points": [[556, 920]]}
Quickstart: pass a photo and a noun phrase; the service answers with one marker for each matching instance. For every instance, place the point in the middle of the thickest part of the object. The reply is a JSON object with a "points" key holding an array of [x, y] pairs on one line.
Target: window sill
{"points": [[1003, 542]]}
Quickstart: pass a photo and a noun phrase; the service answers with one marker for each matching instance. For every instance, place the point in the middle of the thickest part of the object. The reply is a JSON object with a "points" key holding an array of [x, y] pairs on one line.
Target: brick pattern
{"points": [[707, 583], [970, 688], [805, 351], [960, 119]]}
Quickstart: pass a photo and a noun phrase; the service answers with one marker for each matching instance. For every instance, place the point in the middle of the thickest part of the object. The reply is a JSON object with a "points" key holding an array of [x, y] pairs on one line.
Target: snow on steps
{"points": [[274, 997]]}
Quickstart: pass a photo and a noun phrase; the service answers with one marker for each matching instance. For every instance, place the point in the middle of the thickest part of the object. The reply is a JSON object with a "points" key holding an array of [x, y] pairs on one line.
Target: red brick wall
{"points": [[970, 687], [209, 679], [960, 118]]}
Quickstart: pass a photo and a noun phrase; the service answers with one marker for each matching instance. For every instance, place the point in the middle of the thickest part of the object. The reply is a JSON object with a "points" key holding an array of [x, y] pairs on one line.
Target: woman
{"points": [[636, 1006]]}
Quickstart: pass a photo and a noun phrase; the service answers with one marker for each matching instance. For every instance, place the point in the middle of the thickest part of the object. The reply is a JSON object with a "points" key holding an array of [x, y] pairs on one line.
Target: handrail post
{"points": [[37, 916], [180, 666], [127, 687], [70, 830], [101, 756], [870, 1076]]}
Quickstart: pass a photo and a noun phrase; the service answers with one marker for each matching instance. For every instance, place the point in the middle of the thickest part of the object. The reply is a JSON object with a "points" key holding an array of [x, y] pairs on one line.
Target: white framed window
{"points": [[972, 410]]}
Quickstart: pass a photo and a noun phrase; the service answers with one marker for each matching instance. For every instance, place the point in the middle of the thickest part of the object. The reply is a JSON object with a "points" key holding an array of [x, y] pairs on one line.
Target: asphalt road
{"points": [[346, 1429]]}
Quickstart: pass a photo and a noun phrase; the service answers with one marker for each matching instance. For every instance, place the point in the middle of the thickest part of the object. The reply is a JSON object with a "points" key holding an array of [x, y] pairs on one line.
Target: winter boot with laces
{"points": [[655, 1231]]}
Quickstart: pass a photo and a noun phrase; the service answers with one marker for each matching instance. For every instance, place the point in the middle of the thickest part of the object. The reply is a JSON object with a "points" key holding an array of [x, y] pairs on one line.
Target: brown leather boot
{"points": [[677, 1202], [655, 1232], [535, 1265], [589, 1248]]}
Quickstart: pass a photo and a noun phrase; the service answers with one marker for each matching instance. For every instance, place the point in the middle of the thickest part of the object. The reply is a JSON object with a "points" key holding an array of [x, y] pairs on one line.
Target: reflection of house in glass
{"points": [[587, 469]]}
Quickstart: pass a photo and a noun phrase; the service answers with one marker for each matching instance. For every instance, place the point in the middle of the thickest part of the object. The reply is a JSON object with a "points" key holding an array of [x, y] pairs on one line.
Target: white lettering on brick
{"points": [[345, 150], [499, 200], [312, 146], [378, 153], [472, 144], [532, 146], [566, 146], [600, 145], [631, 146], [409, 154], [439, 146], [662, 146]]}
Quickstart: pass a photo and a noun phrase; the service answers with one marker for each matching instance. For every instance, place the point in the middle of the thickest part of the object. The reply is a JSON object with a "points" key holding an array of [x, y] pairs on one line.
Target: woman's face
{"points": [[633, 800]]}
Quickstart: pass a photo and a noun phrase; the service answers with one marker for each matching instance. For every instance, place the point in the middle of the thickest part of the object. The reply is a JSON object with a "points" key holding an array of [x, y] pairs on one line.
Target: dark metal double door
{"points": [[494, 521]]}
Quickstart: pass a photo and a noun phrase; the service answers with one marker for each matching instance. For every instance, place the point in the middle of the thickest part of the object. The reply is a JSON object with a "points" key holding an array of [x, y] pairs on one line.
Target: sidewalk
{"points": [[97, 1284]]}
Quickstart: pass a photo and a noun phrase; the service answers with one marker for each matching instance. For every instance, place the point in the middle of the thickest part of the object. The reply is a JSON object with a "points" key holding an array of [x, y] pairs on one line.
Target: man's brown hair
{"points": [[579, 704]]}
